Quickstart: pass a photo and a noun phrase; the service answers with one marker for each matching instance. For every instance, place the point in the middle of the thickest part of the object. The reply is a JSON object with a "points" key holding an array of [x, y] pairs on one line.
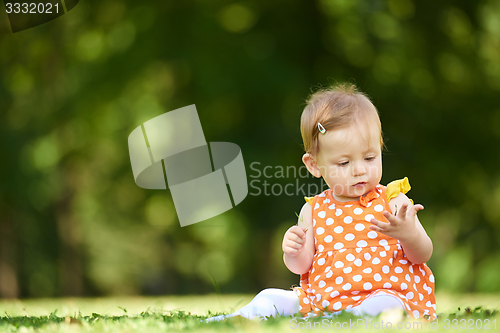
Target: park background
{"points": [[72, 220]]}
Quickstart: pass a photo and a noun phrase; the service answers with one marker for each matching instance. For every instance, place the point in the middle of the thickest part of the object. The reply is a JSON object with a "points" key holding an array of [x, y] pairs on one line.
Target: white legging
{"points": [[274, 302]]}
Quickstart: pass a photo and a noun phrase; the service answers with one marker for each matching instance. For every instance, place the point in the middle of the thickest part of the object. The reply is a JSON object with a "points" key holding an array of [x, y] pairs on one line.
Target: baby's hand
{"points": [[402, 224], [294, 240]]}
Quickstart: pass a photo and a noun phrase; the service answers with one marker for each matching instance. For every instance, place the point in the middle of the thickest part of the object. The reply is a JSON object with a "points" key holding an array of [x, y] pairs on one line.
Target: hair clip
{"points": [[321, 128]]}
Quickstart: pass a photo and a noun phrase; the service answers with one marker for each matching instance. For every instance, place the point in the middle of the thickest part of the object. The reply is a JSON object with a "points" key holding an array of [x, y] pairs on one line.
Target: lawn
{"points": [[184, 314]]}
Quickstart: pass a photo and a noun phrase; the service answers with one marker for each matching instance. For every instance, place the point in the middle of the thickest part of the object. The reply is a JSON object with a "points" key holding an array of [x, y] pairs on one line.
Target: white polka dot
{"points": [[338, 212], [428, 304], [322, 194], [327, 290], [358, 249], [378, 208], [359, 227], [305, 300], [329, 274], [356, 298], [334, 294], [314, 222], [332, 206], [338, 229], [383, 254], [338, 246], [343, 297], [357, 278], [320, 230], [347, 270], [318, 297], [329, 239], [317, 277], [369, 217], [411, 269], [321, 261], [316, 206], [348, 205], [416, 314], [342, 250], [409, 295], [377, 277], [358, 262], [328, 268], [357, 211], [347, 286], [348, 219], [329, 221], [362, 243], [420, 296], [320, 248], [376, 261], [325, 303], [337, 306], [404, 286], [394, 279], [398, 270], [367, 270], [385, 269], [404, 262], [322, 214], [367, 255], [372, 234], [367, 286], [339, 264], [350, 257], [355, 292], [349, 237], [326, 201], [383, 242], [431, 278], [417, 278], [369, 204], [407, 277], [387, 285], [339, 280], [322, 284]]}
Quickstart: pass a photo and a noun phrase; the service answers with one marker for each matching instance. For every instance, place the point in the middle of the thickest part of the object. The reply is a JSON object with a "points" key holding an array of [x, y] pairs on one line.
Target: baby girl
{"points": [[358, 246]]}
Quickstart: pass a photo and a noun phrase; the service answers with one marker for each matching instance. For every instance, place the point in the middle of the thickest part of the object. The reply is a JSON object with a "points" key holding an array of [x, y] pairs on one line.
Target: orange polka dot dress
{"points": [[352, 262]]}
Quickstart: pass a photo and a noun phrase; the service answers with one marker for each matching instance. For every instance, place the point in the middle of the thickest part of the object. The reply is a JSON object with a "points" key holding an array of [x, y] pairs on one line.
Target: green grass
{"points": [[184, 314]]}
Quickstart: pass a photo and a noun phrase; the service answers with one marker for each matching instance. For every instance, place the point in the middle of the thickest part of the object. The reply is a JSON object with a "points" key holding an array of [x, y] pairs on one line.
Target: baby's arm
{"points": [[298, 243], [405, 226]]}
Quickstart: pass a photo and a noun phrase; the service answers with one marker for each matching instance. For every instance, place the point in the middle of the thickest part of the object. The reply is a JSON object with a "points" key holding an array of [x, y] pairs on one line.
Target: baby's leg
{"points": [[269, 302], [376, 304]]}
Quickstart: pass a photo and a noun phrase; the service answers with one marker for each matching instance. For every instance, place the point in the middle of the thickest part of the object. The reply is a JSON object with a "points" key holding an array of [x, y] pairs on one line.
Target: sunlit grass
{"points": [[186, 313]]}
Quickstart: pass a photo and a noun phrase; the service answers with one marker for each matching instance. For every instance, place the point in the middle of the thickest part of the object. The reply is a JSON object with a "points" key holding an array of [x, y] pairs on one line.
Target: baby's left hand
{"points": [[401, 226]]}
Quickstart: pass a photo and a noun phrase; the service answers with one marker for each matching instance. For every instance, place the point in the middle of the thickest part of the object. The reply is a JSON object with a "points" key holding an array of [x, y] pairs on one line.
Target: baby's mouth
{"points": [[359, 184]]}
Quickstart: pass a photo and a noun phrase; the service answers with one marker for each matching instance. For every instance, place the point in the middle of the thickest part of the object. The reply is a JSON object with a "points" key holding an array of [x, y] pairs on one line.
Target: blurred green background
{"points": [[72, 220]]}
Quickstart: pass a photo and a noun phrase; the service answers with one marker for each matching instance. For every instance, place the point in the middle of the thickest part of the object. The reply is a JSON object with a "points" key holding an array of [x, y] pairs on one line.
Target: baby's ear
{"points": [[311, 165]]}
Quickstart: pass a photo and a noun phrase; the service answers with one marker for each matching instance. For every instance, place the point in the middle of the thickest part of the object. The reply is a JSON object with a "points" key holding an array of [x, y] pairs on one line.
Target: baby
{"points": [[359, 245]]}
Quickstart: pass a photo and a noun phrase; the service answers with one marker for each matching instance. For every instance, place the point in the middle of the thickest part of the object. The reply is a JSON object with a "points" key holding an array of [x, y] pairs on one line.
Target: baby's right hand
{"points": [[294, 241]]}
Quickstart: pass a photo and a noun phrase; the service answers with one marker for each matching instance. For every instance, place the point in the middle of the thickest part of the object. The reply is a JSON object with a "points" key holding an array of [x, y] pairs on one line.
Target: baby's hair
{"points": [[337, 107]]}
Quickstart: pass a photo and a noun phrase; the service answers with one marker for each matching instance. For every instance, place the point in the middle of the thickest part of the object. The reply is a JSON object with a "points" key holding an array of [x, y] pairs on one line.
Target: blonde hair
{"points": [[337, 107]]}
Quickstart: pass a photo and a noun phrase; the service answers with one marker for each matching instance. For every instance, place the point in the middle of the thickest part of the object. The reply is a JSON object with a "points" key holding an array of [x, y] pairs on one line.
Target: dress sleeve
{"points": [[309, 200], [397, 186]]}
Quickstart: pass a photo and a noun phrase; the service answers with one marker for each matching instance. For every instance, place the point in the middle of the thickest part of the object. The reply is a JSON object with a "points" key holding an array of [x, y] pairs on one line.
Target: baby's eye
{"points": [[369, 159], [343, 163]]}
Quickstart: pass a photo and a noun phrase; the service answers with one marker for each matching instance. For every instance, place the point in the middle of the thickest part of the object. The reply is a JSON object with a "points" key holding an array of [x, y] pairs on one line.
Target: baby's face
{"points": [[349, 162]]}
